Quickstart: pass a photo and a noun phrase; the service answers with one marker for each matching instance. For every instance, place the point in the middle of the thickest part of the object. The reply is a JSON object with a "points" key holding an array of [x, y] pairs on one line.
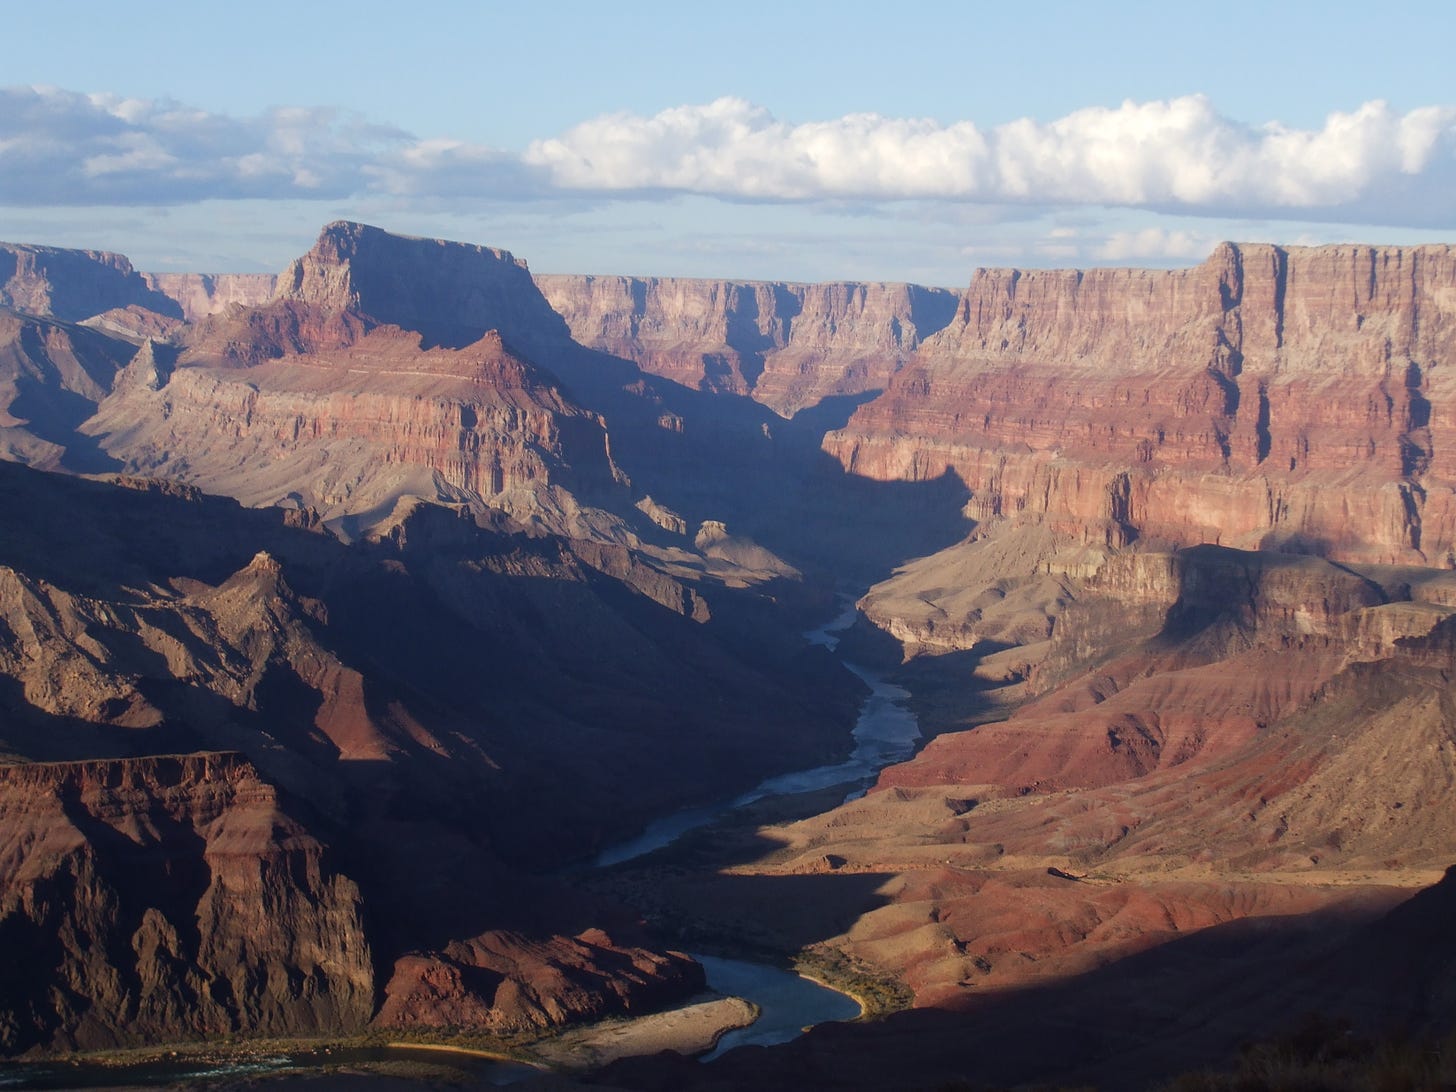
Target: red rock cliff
{"points": [[451, 292], [788, 345], [1271, 396], [73, 284], [166, 898], [383, 367], [203, 294]]}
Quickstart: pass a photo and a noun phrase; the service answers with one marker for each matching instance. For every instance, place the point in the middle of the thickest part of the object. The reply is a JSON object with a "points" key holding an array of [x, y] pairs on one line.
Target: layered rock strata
{"points": [[167, 897], [452, 293], [202, 294], [1228, 745], [72, 285], [1284, 397], [789, 346], [52, 375], [383, 367], [350, 430], [457, 707]]}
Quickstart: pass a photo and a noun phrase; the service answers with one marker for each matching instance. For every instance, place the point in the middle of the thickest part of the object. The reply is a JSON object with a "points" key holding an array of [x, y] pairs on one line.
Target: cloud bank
{"points": [[65, 148], [1370, 165]]}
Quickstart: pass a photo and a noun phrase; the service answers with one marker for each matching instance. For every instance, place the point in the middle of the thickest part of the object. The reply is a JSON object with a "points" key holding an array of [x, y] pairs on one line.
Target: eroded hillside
{"points": [[1163, 558]]}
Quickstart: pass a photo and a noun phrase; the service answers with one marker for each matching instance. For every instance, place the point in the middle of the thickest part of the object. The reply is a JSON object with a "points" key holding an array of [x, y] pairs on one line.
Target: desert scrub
{"points": [[1324, 1055], [877, 993]]}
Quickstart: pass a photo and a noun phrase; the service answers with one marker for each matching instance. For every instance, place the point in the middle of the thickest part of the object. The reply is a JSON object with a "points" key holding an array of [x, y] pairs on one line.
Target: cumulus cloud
{"points": [[1370, 165], [1180, 154], [61, 147], [1155, 244]]}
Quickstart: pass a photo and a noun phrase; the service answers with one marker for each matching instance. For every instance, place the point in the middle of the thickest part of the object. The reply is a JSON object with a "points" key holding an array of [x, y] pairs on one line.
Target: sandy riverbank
{"points": [[692, 1029]]}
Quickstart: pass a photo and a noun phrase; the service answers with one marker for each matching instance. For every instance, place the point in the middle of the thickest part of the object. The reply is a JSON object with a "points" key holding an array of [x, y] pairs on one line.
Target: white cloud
{"points": [[1155, 244], [1176, 155], [60, 147], [1372, 165]]}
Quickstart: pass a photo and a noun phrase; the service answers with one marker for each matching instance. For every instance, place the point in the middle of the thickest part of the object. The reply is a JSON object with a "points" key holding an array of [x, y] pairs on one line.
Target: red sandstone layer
{"points": [[1271, 396]]}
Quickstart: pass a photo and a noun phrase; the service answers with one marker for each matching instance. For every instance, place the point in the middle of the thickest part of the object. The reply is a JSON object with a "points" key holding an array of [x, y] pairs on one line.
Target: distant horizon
{"points": [[649, 275], [810, 143]]}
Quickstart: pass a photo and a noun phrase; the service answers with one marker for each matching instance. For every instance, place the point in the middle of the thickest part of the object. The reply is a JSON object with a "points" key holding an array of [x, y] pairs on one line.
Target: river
{"points": [[884, 733], [788, 1003]]}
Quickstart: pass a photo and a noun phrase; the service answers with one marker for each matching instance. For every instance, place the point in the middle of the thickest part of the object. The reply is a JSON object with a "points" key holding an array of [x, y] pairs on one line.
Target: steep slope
{"points": [[140, 898], [451, 293], [1285, 397], [52, 376], [202, 294], [1202, 741], [457, 707], [349, 431], [1237, 764], [382, 368], [789, 346], [72, 285], [1218, 733]]}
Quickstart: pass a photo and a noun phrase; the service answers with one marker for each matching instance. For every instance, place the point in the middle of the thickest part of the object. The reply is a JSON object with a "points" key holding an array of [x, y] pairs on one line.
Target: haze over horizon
{"points": [[819, 143]]}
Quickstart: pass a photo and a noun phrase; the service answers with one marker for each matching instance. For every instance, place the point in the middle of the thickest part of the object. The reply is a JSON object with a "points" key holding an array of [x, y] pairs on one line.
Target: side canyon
{"points": [[346, 614]]}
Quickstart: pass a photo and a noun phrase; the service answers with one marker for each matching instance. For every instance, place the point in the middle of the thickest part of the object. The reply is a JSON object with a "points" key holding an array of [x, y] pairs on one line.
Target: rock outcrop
{"points": [[350, 431], [1227, 745], [203, 294], [452, 293], [458, 707], [383, 367], [162, 898], [1284, 397], [789, 346], [72, 285], [52, 375], [508, 983], [396, 742]]}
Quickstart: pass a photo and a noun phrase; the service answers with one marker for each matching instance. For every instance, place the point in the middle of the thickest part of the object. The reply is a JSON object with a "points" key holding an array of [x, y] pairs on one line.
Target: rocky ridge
{"points": [[457, 707], [72, 285], [1234, 772], [381, 368], [1271, 397], [789, 346], [52, 376], [202, 294], [143, 896], [451, 293], [1174, 736]]}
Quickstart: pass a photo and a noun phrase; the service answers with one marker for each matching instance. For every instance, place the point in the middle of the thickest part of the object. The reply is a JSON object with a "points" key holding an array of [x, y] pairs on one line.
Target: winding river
{"points": [[788, 1003], [885, 733]]}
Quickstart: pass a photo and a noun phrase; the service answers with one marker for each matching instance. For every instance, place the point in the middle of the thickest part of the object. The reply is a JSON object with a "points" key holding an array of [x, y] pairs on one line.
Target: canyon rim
{"points": [[347, 614]]}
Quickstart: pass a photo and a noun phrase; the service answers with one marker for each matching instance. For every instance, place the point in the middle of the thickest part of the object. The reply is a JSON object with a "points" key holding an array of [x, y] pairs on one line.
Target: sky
{"points": [[793, 141]]}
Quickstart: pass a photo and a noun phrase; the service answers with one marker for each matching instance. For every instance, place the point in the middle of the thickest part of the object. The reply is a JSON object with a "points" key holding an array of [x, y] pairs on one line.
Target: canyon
{"points": [[383, 593]]}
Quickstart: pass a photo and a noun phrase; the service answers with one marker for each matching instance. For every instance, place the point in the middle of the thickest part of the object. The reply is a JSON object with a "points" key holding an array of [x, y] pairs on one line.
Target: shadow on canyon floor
{"points": [[727, 457], [1184, 1005]]}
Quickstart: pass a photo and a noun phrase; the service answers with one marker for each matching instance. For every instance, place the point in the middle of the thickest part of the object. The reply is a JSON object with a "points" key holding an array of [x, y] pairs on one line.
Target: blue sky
{"points": [[811, 141]]}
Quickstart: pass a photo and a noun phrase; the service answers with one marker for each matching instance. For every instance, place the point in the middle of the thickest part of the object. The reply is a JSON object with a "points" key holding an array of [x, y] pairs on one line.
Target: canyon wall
{"points": [[1280, 397], [203, 294], [74, 284], [356, 428], [412, 724], [159, 898], [382, 366], [787, 345], [452, 293], [52, 375]]}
